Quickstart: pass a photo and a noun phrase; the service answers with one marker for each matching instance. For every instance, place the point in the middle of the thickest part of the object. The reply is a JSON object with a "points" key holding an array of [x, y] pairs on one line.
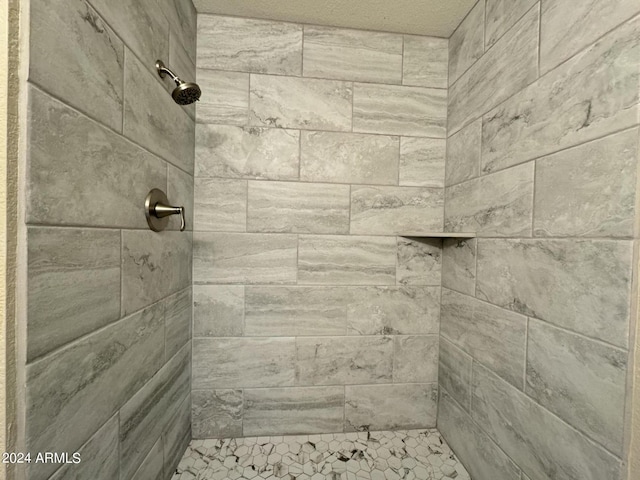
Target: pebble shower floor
{"points": [[405, 454]]}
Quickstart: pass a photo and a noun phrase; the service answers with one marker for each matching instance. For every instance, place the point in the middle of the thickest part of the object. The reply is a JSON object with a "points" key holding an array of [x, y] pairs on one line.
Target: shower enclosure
{"points": [[382, 232]]}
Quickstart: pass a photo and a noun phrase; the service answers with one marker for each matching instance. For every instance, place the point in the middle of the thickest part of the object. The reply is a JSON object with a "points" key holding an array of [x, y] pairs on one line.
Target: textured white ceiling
{"points": [[422, 17]]}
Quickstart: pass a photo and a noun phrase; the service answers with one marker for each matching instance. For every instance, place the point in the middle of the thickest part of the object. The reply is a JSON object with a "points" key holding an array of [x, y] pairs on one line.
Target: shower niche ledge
{"points": [[439, 235]]}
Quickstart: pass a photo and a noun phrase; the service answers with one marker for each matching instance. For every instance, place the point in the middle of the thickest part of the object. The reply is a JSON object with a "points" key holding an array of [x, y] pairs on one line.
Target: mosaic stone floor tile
{"points": [[407, 454]]}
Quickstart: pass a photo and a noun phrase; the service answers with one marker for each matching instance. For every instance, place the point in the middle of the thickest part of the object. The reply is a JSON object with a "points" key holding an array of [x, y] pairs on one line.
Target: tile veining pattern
{"points": [[542, 161], [316, 147], [109, 302], [384, 455]]}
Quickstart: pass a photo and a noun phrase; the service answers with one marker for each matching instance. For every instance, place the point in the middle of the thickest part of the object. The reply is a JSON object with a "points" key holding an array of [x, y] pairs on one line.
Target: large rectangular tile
{"points": [[588, 190], [225, 99], [152, 467], [346, 260], [505, 69], [218, 310], [183, 66], [472, 325], [569, 106], [76, 167], [217, 413], [415, 359], [291, 411], [343, 360], [153, 266], [73, 285], [349, 158], [466, 44], [282, 311], [243, 362], [459, 265], [249, 45], [568, 27], [244, 258], [233, 152], [352, 55], [501, 15], [583, 381], [582, 285], [422, 162], [177, 435], [454, 373], [178, 319], [401, 310], [390, 407], [70, 394], [287, 207], [425, 61], [82, 43], [310, 104], [500, 204], [463, 154], [153, 120], [481, 456], [220, 205], [399, 110], [180, 193], [182, 17], [396, 210], [522, 429], [419, 261]]}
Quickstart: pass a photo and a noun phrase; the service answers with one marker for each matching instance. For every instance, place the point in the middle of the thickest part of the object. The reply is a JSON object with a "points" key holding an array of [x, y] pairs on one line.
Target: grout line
{"points": [[526, 356], [539, 36]]}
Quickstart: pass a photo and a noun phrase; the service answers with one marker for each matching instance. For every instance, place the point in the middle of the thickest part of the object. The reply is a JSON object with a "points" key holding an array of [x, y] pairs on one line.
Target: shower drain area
{"points": [[388, 455]]}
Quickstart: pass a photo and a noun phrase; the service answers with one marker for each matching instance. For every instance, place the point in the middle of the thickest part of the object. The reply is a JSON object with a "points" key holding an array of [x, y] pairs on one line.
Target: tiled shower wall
{"points": [[316, 148], [542, 163], [109, 301]]}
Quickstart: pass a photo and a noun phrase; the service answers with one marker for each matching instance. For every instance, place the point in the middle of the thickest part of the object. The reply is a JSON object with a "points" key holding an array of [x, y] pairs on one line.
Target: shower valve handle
{"points": [[157, 210], [161, 210]]}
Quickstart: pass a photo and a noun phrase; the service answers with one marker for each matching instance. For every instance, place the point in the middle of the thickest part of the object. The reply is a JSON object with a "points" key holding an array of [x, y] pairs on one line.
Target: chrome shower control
{"points": [[157, 210]]}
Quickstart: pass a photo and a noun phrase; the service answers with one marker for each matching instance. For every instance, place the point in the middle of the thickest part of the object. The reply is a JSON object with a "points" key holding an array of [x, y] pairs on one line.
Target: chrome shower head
{"points": [[185, 93]]}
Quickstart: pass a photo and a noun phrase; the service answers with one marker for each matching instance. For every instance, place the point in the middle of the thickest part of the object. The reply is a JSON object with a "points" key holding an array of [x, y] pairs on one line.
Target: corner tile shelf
{"points": [[438, 235]]}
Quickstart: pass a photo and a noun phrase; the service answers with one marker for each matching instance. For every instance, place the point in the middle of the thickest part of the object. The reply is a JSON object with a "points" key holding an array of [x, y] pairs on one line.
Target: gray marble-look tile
{"points": [[249, 45], [493, 336], [396, 210], [260, 153], [277, 411], [399, 110], [501, 15], [183, 65], [217, 413], [287, 207], [153, 266], [463, 154], [349, 158], [571, 105], [180, 192], [73, 285], [282, 311], [466, 44], [218, 310], [76, 166], [380, 407], [152, 467], [419, 261], [177, 435], [589, 190], [70, 393], [567, 27], [182, 17], [244, 258], [356, 55], [581, 380], [481, 456], [306, 103], [422, 162], [500, 204], [153, 120], [343, 360], [459, 265], [415, 359], [82, 43], [243, 362], [582, 285], [220, 205], [505, 69], [426, 61], [522, 428], [178, 319], [346, 260], [144, 416], [225, 97], [99, 456], [454, 373], [393, 310]]}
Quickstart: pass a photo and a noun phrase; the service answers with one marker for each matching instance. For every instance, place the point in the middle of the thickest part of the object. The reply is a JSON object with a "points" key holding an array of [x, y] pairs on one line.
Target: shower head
{"points": [[185, 93]]}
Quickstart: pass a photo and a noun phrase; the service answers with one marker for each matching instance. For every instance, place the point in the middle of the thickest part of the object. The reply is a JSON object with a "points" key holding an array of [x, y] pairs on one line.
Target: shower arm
{"points": [[163, 70]]}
